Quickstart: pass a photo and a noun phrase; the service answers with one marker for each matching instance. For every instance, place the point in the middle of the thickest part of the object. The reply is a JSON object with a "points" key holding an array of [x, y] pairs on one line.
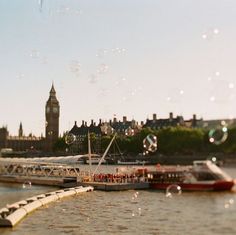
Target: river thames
{"points": [[126, 212]]}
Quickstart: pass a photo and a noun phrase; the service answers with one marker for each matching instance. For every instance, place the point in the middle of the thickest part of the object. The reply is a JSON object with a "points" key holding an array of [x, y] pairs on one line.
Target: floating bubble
{"points": [[26, 184], [101, 53], [150, 143], [145, 153], [175, 95], [20, 76], [229, 203], [212, 98], [75, 67], [34, 54], [216, 31], [133, 92], [70, 138], [173, 190], [223, 123], [204, 36], [120, 82], [103, 68], [103, 92], [118, 50], [124, 98], [226, 205], [129, 131], [139, 211], [210, 33], [231, 85], [107, 129], [93, 79], [44, 60], [134, 198], [50, 132], [63, 10], [209, 79], [218, 136], [213, 159]]}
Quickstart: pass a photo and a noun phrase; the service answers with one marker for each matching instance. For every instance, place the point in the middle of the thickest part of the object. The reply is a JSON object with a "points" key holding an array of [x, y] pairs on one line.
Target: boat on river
{"points": [[201, 176]]}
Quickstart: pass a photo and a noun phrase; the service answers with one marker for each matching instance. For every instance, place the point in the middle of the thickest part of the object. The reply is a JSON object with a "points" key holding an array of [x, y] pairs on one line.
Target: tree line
{"points": [[170, 140]]}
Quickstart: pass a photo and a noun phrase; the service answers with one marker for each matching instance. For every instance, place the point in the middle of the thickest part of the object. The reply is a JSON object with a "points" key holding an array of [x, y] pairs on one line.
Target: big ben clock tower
{"points": [[52, 112]]}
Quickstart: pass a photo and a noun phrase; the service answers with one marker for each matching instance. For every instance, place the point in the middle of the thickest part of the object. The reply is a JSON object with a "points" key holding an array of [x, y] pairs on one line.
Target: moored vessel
{"points": [[201, 176]]}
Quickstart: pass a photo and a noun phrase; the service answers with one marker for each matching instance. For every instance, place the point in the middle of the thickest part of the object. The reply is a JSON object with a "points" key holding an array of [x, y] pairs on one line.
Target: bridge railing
{"points": [[40, 169]]}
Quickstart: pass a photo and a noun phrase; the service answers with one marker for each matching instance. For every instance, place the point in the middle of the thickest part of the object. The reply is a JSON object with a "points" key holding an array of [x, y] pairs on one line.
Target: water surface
{"points": [[128, 212]]}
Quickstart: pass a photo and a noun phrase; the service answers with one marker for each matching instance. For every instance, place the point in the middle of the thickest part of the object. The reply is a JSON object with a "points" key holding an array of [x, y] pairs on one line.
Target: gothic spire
{"points": [[52, 91], [20, 130]]}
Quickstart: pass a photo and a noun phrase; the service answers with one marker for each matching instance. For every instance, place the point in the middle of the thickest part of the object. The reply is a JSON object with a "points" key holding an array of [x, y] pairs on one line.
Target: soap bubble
{"points": [[75, 67], [50, 132], [229, 203], [101, 53], [20, 76], [204, 36], [214, 159], [210, 33], [118, 50], [107, 129], [34, 54], [216, 31], [231, 85], [134, 198], [212, 98], [209, 79], [102, 69], [173, 190], [218, 136], [139, 211], [70, 138], [150, 143], [26, 184], [93, 79], [44, 60], [129, 131]]}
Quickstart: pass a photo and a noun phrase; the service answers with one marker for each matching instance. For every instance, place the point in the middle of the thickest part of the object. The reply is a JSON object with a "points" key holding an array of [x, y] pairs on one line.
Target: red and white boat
{"points": [[201, 176]]}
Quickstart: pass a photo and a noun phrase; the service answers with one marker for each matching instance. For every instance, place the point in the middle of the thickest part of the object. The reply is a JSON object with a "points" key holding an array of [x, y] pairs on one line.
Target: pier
{"points": [[40, 173], [63, 175]]}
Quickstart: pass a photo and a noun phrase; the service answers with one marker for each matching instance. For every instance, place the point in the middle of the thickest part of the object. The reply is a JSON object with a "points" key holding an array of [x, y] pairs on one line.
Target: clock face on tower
{"points": [[48, 109], [55, 110]]}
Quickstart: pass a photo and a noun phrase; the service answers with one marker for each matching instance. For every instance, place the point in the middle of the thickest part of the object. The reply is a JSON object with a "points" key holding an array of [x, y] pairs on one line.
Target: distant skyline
{"points": [[126, 58]]}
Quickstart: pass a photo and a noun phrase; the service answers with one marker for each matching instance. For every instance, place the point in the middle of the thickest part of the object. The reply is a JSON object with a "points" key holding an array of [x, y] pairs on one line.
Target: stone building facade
{"points": [[31, 142]]}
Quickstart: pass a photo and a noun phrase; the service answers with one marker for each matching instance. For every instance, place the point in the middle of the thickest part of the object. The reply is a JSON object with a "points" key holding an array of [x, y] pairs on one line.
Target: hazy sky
{"points": [[116, 57]]}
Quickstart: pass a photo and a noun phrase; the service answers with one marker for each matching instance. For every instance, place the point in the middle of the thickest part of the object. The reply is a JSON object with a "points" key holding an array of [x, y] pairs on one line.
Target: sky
{"points": [[110, 58]]}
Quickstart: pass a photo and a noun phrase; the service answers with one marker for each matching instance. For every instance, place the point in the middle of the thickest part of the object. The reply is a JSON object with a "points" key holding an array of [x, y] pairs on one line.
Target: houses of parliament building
{"points": [[22, 143]]}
